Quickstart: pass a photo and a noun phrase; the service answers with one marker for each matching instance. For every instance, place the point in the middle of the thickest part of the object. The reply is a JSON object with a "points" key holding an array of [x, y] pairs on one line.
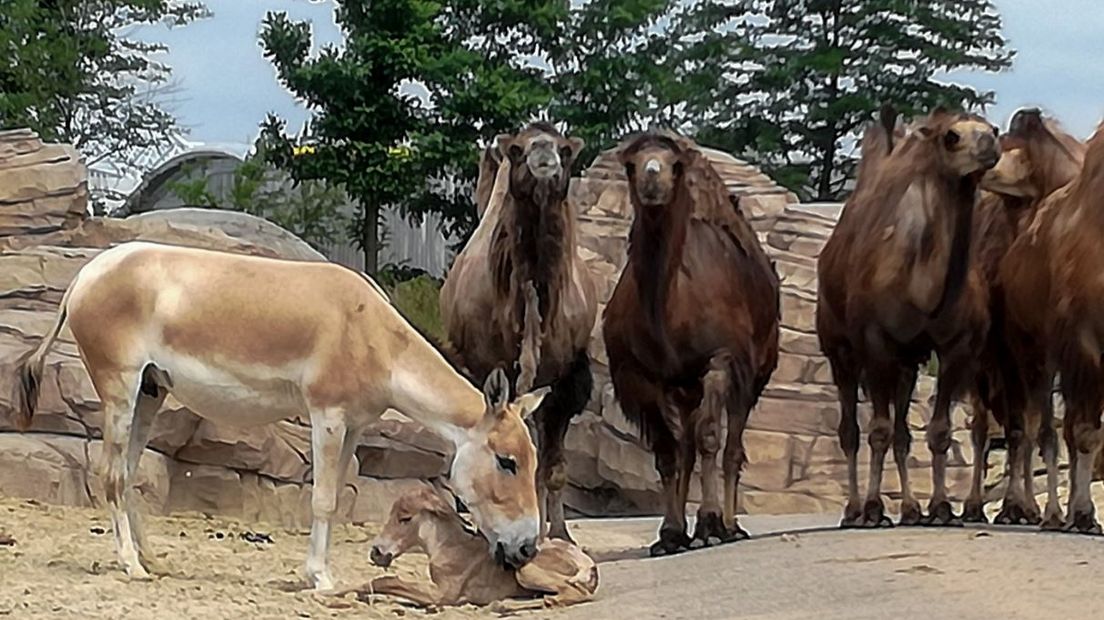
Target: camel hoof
{"points": [[709, 531], [874, 516], [910, 514], [669, 543], [1052, 523], [974, 512], [941, 515], [564, 536], [737, 533], [1011, 514], [1083, 523]]}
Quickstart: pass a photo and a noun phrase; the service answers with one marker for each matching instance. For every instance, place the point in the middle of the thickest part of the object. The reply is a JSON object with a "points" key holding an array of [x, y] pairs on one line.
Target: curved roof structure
{"points": [[153, 185]]}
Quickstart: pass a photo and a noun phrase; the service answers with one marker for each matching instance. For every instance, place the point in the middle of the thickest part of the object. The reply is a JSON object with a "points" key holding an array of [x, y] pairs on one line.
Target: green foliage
{"points": [[418, 299], [795, 79], [70, 73], [312, 210]]}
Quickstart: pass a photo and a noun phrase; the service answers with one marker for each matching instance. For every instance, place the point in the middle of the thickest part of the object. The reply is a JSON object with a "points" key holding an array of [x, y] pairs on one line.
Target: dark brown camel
{"points": [[895, 284], [1015, 384], [1070, 226], [520, 297], [691, 330]]}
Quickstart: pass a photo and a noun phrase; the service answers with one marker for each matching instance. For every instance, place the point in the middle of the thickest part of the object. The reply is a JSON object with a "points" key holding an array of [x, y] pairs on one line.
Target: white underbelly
{"points": [[238, 396]]}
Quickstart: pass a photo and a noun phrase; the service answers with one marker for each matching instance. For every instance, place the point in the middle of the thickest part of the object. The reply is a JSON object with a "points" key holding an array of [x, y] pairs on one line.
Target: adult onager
{"points": [[519, 296], [1071, 226], [213, 330], [459, 566], [895, 284], [1037, 160], [691, 330]]}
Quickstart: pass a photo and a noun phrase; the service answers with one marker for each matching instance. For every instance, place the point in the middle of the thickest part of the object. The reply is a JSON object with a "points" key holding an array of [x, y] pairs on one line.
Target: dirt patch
{"points": [[59, 562]]}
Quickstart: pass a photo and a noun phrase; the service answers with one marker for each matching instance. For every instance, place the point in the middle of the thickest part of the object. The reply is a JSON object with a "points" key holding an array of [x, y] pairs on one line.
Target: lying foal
{"points": [[461, 566]]}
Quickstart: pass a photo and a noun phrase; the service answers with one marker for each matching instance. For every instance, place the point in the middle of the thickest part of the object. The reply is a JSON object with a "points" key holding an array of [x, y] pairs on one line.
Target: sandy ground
{"points": [[62, 565]]}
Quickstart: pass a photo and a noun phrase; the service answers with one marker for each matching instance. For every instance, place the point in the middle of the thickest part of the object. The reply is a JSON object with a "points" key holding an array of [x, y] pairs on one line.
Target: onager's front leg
{"points": [[332, 443], [391, 585]]}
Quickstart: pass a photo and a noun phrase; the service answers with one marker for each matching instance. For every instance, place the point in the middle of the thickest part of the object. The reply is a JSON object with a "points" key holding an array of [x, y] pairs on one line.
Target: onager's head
{"points": [[403, 530], [1036, 158], [539, 155], [654, 165], [494, 472], [965, 144]]}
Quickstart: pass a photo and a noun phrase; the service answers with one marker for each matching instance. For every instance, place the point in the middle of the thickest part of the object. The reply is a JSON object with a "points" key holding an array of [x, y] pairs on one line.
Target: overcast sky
{"points": [[226, 86]]}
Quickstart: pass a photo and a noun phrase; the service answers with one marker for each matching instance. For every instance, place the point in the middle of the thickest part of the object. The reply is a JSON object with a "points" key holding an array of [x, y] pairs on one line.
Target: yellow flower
{"points": [[399, 152], [302, 149]]}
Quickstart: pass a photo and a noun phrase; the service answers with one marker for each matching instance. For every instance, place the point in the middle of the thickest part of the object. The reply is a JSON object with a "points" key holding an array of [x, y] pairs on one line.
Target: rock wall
{"points": [[794, 460], [191, 464]]}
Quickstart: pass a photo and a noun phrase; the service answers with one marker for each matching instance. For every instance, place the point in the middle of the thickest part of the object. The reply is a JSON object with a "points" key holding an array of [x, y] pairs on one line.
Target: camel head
{"points": [[539, 155], [965, 144], [654, 165], [1036, 158], [494, 472], [403, 530]]}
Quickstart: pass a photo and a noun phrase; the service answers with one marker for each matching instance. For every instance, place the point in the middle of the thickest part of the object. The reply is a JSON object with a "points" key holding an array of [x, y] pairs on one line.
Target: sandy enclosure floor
{"points": [[62, 565]]}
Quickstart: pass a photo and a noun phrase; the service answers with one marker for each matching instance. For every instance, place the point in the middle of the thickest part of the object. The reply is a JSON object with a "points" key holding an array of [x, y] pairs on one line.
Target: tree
{"points": [[400, 111], [72, 73], [797, 79], [312, 210]]}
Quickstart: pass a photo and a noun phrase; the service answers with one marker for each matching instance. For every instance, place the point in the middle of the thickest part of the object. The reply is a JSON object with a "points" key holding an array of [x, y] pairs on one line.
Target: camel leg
{"points": [[1048, 443], [570, 396], [1084, 419], [1012, 507], [672, 533], [739, 408], [1032, 423], [974, 509], [954, 367], [879, 437], [848, 392], [902, 445], [332, 444], [706, 428], [119, 395]]}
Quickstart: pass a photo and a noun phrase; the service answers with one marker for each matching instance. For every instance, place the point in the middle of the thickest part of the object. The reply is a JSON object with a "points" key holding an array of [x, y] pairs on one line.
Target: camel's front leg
{"points": [[332, 443]]}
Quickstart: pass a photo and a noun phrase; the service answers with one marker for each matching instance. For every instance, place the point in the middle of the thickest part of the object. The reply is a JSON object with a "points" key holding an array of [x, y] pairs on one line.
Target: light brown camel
{"points": [[895, 284], [459, 566], [691, 330], [1037, 159], [1071, 226], [212, 330], [519, 296]]}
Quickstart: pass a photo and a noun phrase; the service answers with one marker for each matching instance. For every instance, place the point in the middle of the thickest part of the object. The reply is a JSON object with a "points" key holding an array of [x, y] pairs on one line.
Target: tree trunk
{"points": [[370, 239], [827, 167]]}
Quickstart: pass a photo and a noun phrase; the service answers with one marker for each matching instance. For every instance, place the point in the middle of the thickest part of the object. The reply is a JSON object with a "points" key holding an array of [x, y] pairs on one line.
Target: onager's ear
{"points": [[496, 390], [528, 403]]}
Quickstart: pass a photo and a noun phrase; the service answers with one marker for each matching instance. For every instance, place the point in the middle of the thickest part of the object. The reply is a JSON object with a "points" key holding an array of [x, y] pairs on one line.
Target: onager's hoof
{"points": [[669, 543], [709, 531], [1083, 523], [941, 515], [974, 512], [910, 513], [1011, 513], [874, 515]]}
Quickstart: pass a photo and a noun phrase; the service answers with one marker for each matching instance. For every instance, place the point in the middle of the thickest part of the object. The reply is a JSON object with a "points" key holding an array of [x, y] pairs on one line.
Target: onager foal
{"points": [[459, 566], [247, 341]]}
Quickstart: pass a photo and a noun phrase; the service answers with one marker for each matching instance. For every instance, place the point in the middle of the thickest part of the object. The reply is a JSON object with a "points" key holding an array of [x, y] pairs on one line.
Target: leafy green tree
{"points": [[71, 73], [794, 80], [314, 210]]}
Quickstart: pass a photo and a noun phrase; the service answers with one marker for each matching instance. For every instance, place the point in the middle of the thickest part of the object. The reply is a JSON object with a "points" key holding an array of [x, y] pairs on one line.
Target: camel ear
{"points": [[571, 150], [502, 144], [530, 402], [496, 390]]}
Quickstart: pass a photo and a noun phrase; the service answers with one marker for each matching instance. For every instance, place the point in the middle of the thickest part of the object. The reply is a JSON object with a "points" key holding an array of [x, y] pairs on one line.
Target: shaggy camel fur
{"points": [[212, 330], [1037, 159], [895, 284], [459, 567], [691, 330], [519, 296], [1069, 227]]}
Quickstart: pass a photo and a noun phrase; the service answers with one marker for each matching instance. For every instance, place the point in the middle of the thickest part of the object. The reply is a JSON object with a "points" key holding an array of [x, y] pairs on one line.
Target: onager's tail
{"points": [[30, 369]]}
